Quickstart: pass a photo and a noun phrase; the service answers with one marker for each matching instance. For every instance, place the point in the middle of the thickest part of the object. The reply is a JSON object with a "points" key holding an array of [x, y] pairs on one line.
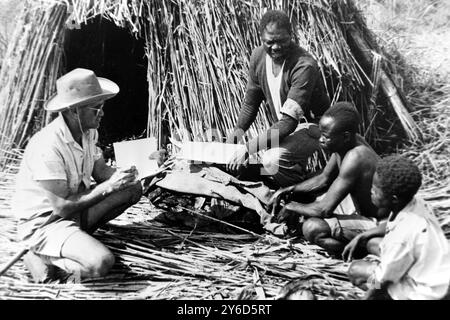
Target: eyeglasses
{"points": [[98, 110]]}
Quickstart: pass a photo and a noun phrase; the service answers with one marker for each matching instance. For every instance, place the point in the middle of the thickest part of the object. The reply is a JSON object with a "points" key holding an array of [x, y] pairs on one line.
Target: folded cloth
{"points": [[204, 180], [194, 184]]}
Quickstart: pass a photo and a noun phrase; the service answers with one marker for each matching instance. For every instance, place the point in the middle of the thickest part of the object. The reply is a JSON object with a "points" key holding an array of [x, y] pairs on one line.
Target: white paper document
{"points": [[136, 153], [211, 152]]}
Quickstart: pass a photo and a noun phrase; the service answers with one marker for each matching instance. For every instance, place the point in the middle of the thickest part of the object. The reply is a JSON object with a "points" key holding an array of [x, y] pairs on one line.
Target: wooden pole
{"points": [[388, 88], [11, 262]]}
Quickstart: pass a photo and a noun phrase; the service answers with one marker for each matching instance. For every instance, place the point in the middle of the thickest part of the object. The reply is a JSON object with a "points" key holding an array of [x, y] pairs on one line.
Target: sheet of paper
{"points": [[136, 153], [212, 152]]}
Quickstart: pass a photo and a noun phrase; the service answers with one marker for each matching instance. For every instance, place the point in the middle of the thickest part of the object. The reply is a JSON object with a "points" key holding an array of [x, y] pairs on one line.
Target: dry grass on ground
{"points": [[154, 261]]}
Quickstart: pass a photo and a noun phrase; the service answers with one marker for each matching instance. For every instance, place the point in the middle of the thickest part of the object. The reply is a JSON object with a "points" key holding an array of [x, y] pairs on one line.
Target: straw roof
{"points": [[198, 54]]}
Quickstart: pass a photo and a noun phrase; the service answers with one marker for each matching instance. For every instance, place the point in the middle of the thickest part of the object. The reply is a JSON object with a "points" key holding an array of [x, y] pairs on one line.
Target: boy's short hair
{"points": [[346, 116], [278, 17], [399, 176]]}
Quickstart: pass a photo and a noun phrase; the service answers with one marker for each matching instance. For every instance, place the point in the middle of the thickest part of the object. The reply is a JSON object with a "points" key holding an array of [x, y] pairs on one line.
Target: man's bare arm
{"points": [[339, 189], [322, 181], [102, 171], [361, 240], [314, 185], [66, 205]]}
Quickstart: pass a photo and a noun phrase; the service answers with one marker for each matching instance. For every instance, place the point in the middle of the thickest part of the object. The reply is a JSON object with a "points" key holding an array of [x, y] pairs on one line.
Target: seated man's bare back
{"points": [[366, 158]]}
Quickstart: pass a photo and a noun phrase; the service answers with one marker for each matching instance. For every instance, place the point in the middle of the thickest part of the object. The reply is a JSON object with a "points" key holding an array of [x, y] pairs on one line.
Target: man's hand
{"points": [[160, 156], [349, 250], [281, 194], [237, 161], [122, 179], [289, 216]]}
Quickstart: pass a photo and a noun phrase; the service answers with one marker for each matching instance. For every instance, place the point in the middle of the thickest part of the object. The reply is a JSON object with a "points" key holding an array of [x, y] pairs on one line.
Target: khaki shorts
{"points": [[49, 239], [346, 227]]}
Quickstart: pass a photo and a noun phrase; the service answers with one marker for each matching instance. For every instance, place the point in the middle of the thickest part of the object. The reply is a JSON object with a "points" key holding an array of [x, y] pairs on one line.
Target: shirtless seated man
{"points": [[349, 171]]}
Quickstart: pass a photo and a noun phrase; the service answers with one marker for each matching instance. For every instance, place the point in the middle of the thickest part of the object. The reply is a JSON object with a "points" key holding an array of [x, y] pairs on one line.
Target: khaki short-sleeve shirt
{"points": [[51, 154]]}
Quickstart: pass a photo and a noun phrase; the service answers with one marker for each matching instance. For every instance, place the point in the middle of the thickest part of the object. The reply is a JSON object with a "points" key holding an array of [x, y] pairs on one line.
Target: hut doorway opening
{"points": [[114, 53]]}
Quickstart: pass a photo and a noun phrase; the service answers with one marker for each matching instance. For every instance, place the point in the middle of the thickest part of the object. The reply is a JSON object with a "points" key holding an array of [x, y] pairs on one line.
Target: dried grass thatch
{"points": [[198, 54], [29, 70], [432, 153]]}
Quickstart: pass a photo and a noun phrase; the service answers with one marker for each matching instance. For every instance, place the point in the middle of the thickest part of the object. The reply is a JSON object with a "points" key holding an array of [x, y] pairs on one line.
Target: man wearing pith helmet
{"points": [[56, 206]]}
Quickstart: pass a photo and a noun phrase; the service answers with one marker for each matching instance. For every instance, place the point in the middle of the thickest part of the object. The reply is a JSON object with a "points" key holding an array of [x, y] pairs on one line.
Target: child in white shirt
{"points": [[414, 254]]}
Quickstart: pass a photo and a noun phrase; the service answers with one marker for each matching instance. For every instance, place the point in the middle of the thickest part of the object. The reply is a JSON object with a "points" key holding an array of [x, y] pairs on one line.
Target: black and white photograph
{"points": [[224, 155]]}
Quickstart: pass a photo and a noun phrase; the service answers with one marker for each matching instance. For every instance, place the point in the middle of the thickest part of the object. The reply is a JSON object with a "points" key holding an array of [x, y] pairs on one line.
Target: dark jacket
{"points": [[301, 82]]}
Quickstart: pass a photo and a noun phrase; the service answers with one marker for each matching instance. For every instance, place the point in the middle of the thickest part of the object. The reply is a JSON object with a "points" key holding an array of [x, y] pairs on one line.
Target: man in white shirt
{"points": [[414, 253], [56, 207]]}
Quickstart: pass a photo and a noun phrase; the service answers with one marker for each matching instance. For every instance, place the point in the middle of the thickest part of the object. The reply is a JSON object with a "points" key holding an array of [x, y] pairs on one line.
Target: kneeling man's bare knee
{"points": [[315, 228], [101, 264]]}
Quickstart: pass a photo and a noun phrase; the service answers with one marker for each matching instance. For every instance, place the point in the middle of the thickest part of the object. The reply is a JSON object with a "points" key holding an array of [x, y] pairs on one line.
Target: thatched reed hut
{"points": [[182, 68], [182, 65]]}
